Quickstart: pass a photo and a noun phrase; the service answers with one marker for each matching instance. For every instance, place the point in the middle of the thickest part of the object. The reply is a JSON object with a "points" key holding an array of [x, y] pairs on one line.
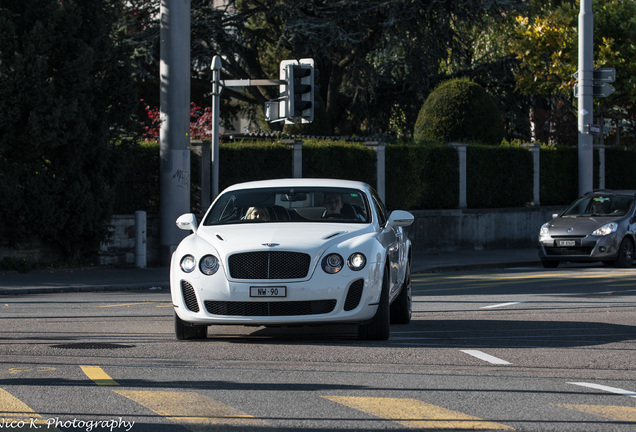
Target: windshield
{"points": [[298, 204], [601, 205]]}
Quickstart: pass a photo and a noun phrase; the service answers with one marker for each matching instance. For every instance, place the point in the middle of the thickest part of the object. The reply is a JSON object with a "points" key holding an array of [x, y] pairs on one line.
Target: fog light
{"points": [[602, 249]]}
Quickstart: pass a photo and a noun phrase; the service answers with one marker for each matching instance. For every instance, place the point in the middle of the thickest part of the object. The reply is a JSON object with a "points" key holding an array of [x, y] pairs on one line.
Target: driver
{"points": [[333, 204]]}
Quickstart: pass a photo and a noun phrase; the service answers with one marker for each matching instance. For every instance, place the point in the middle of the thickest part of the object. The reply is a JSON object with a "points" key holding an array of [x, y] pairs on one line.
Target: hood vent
{"points": [[335, 234]]}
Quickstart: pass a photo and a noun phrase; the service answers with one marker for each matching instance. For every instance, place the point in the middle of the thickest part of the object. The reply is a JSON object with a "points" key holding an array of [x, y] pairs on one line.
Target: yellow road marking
{"points": [[195, 410], [617, 413], [125, 304], [18, 415], [98, 375], [416, 414]]}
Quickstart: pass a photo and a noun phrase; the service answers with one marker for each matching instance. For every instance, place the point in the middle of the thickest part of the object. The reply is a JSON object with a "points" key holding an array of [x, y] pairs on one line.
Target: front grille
{"points": [[314, 307], [189, 297], [354, 295], [579, 251], [269, 265]]}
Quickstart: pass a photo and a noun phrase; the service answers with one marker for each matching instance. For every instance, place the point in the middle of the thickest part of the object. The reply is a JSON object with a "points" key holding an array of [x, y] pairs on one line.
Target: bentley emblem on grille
{"points": [[271, 244]]}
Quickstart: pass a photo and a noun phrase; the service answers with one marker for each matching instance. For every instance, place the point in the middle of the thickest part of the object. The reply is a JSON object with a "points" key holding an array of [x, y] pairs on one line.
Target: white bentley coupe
{"points": [[293, 252]]}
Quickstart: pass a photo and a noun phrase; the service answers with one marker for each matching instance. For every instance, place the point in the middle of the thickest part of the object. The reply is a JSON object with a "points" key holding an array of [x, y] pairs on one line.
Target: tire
{"points": [[379, 328], [549, 263], [401, 309], [625, 257], [184, 330]]}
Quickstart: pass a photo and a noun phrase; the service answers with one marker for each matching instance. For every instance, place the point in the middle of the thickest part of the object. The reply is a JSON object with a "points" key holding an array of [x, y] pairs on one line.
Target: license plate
{"points": [[566, 243], [270, 291]]}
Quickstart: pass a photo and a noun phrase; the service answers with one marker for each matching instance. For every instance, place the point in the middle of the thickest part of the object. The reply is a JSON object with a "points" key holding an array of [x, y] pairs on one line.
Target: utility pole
{"points": [[216, 67], [174, 137], [586, 97]]}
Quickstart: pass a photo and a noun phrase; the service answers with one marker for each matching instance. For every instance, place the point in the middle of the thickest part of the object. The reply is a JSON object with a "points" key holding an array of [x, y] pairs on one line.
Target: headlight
{"points": [[188, 263], [209, 265], [606, 229], [545, 231], [332, 263], [356, 261]]}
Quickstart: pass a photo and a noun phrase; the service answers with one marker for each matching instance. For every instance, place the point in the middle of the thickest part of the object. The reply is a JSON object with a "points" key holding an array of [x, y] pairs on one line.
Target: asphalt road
{"points": [[517, 349]]}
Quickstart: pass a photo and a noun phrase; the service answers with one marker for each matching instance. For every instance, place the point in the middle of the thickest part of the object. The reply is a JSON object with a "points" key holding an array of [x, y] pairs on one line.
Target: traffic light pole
{"points": [[217, 87], [586, 97]]}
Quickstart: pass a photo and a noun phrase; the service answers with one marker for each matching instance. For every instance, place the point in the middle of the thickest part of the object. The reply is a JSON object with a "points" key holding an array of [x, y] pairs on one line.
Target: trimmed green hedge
{"points": [[498, 176], [620, 172], [417, 176]]}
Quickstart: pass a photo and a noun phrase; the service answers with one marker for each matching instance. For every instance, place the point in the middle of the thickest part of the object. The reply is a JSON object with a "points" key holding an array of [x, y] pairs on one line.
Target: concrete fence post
{"points": [[601, 165], [380, 167], [140, 239], [297, 156], [536, 171], [461, 152]]}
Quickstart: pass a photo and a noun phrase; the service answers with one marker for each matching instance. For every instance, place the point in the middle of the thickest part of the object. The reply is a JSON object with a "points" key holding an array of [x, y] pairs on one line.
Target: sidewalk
{"points": [[156, 278]]}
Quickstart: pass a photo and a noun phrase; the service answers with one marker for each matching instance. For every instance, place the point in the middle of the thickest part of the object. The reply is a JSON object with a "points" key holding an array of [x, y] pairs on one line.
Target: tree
{"points": [[65, 95], [378, 60], [545, 41], [459, 110]]}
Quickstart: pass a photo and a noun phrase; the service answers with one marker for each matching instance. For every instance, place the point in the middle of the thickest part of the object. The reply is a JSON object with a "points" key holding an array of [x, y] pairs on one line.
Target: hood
{"points": [[301, 237], [577, 226]]}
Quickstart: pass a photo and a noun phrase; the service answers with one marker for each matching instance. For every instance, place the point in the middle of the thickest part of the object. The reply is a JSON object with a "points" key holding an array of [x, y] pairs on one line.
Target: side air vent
{"points": [[189, 297], [354, 295]]}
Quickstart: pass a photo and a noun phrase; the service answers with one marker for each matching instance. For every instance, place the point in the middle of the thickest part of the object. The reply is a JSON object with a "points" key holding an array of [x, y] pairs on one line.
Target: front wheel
{"points": [[625, 257], [379, 328], [184, 330], [401, 309]]}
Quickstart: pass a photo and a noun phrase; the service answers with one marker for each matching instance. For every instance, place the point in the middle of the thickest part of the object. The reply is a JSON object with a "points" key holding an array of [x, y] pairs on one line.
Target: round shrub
{"points": [[459, 110]]}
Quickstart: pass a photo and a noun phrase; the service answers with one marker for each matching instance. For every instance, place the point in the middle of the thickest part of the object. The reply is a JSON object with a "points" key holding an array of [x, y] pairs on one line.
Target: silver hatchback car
{"points": [[599, 226]]}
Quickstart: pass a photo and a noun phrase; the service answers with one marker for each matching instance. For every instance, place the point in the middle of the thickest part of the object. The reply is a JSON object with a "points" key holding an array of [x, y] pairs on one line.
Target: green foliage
{"points": [[137, 183], [498, 176], [253, 160], [338, 159], [421, 177], [21, 265], [559, 175], [459, 110], [65, 92], [418, 176], [622, 174]]}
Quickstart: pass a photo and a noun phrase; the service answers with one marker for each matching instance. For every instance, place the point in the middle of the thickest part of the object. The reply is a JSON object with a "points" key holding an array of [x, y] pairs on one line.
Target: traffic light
{"points": [[299, 91]]}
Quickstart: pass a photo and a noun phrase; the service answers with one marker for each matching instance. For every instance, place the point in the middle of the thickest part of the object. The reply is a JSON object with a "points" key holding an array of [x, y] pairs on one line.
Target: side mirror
{"points": [[400, 218], [188, 222], [555, 215]]}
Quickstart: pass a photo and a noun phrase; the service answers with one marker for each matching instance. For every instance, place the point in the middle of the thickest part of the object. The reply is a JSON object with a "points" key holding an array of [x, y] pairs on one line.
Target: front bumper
{"points": [[212, 300], [582, 249]]}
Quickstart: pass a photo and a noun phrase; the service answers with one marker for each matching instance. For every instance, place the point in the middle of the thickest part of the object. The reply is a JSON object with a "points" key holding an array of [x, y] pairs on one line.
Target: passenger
{"points": [[257, 213]]}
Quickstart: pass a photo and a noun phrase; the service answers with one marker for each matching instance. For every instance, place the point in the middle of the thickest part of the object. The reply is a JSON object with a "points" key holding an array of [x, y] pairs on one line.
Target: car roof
{"points": [[300, 182], [613, 191]]}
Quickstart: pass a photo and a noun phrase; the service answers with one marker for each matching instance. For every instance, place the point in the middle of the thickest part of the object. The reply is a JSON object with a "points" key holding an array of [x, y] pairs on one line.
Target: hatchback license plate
{"points": [[270, 291], [566, 243]]}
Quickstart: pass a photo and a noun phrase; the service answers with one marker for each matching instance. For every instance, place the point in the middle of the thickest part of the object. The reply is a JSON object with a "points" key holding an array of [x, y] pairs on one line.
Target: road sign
{"points": [[601, 74], [605, 75], [599, 90], [594, 129]]}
